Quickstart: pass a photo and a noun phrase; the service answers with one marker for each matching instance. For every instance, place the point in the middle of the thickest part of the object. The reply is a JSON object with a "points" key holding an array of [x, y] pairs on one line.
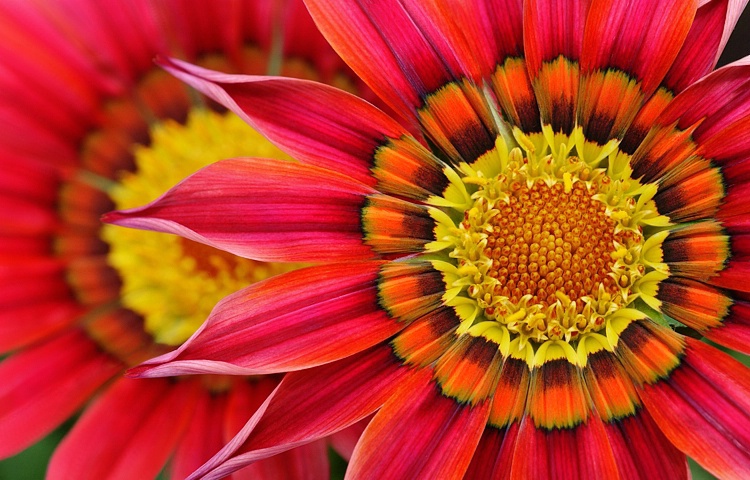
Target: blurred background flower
{"points": [[88, 123]]}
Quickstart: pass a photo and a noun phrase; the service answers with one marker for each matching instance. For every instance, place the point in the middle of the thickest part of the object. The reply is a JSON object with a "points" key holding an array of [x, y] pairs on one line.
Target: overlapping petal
{"points": [[262, 209], [290, 322]]}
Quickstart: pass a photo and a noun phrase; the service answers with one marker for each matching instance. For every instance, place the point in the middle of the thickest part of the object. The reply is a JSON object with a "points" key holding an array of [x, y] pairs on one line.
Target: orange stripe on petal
{"points": [[649, 352], [694, 304], [410, 289], [644, 120], [457, 118], [553, 34], [556, 87], [611, 390], [425, 340], [391, 225], [469, 370], [606, 104], [515, 95], [405, 168], [557, 398], [509, 400], [663, 148], [698, 250], [693, 198]]}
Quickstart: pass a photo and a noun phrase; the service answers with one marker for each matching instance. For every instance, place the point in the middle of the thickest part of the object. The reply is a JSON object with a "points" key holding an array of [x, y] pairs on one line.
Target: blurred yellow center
{"points": [[170, 281]]}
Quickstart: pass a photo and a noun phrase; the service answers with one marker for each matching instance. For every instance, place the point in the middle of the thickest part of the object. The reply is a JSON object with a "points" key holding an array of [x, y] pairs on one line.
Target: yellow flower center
{"points": [[170, 281], [546, 251]]}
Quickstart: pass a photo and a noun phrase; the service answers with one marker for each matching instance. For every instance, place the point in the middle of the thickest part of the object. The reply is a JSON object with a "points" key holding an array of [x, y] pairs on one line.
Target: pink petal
{"points": [[638, 37], [268, 210], [45, 384], [709, 33], [290, 322], [702, 408], [421, 432], [314, 123], [309, 405]]}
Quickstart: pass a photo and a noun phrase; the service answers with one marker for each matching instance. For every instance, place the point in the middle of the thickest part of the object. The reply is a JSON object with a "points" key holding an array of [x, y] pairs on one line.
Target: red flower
{"points": [[83, 103], [509, 296]]}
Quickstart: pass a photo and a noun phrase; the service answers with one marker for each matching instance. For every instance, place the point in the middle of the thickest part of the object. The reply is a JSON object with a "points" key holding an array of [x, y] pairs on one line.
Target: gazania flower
{"points": [[89, 123], [516, 285]]}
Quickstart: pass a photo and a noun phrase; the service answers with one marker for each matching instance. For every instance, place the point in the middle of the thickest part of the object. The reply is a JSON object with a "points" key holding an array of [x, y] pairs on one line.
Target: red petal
{"points": [[268, 210], [21, 325], [703, 409], [436, 435], [493, 456], [45, 384], [129, 432], [640, 38], [565, 453], [310, 405], [642, 451], [554, 29], [314, 123], [385, 44], [290, 322]]}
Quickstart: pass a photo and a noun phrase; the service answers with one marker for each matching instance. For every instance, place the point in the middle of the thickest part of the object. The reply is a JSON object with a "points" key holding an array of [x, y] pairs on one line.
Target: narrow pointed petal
{"points": [[297, 116], [639, 448], [310, 405], [708, 35], [437, 435], [560, 435], [45, 384], [627, 50], [494, 455], [642, 451], [129, 431], [703, 409], [286, 211], [289, 322]]}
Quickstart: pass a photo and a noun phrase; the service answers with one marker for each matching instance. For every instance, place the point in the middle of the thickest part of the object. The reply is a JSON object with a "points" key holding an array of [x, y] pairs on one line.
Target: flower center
{"points": [[550, 248], [170, 281]]}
